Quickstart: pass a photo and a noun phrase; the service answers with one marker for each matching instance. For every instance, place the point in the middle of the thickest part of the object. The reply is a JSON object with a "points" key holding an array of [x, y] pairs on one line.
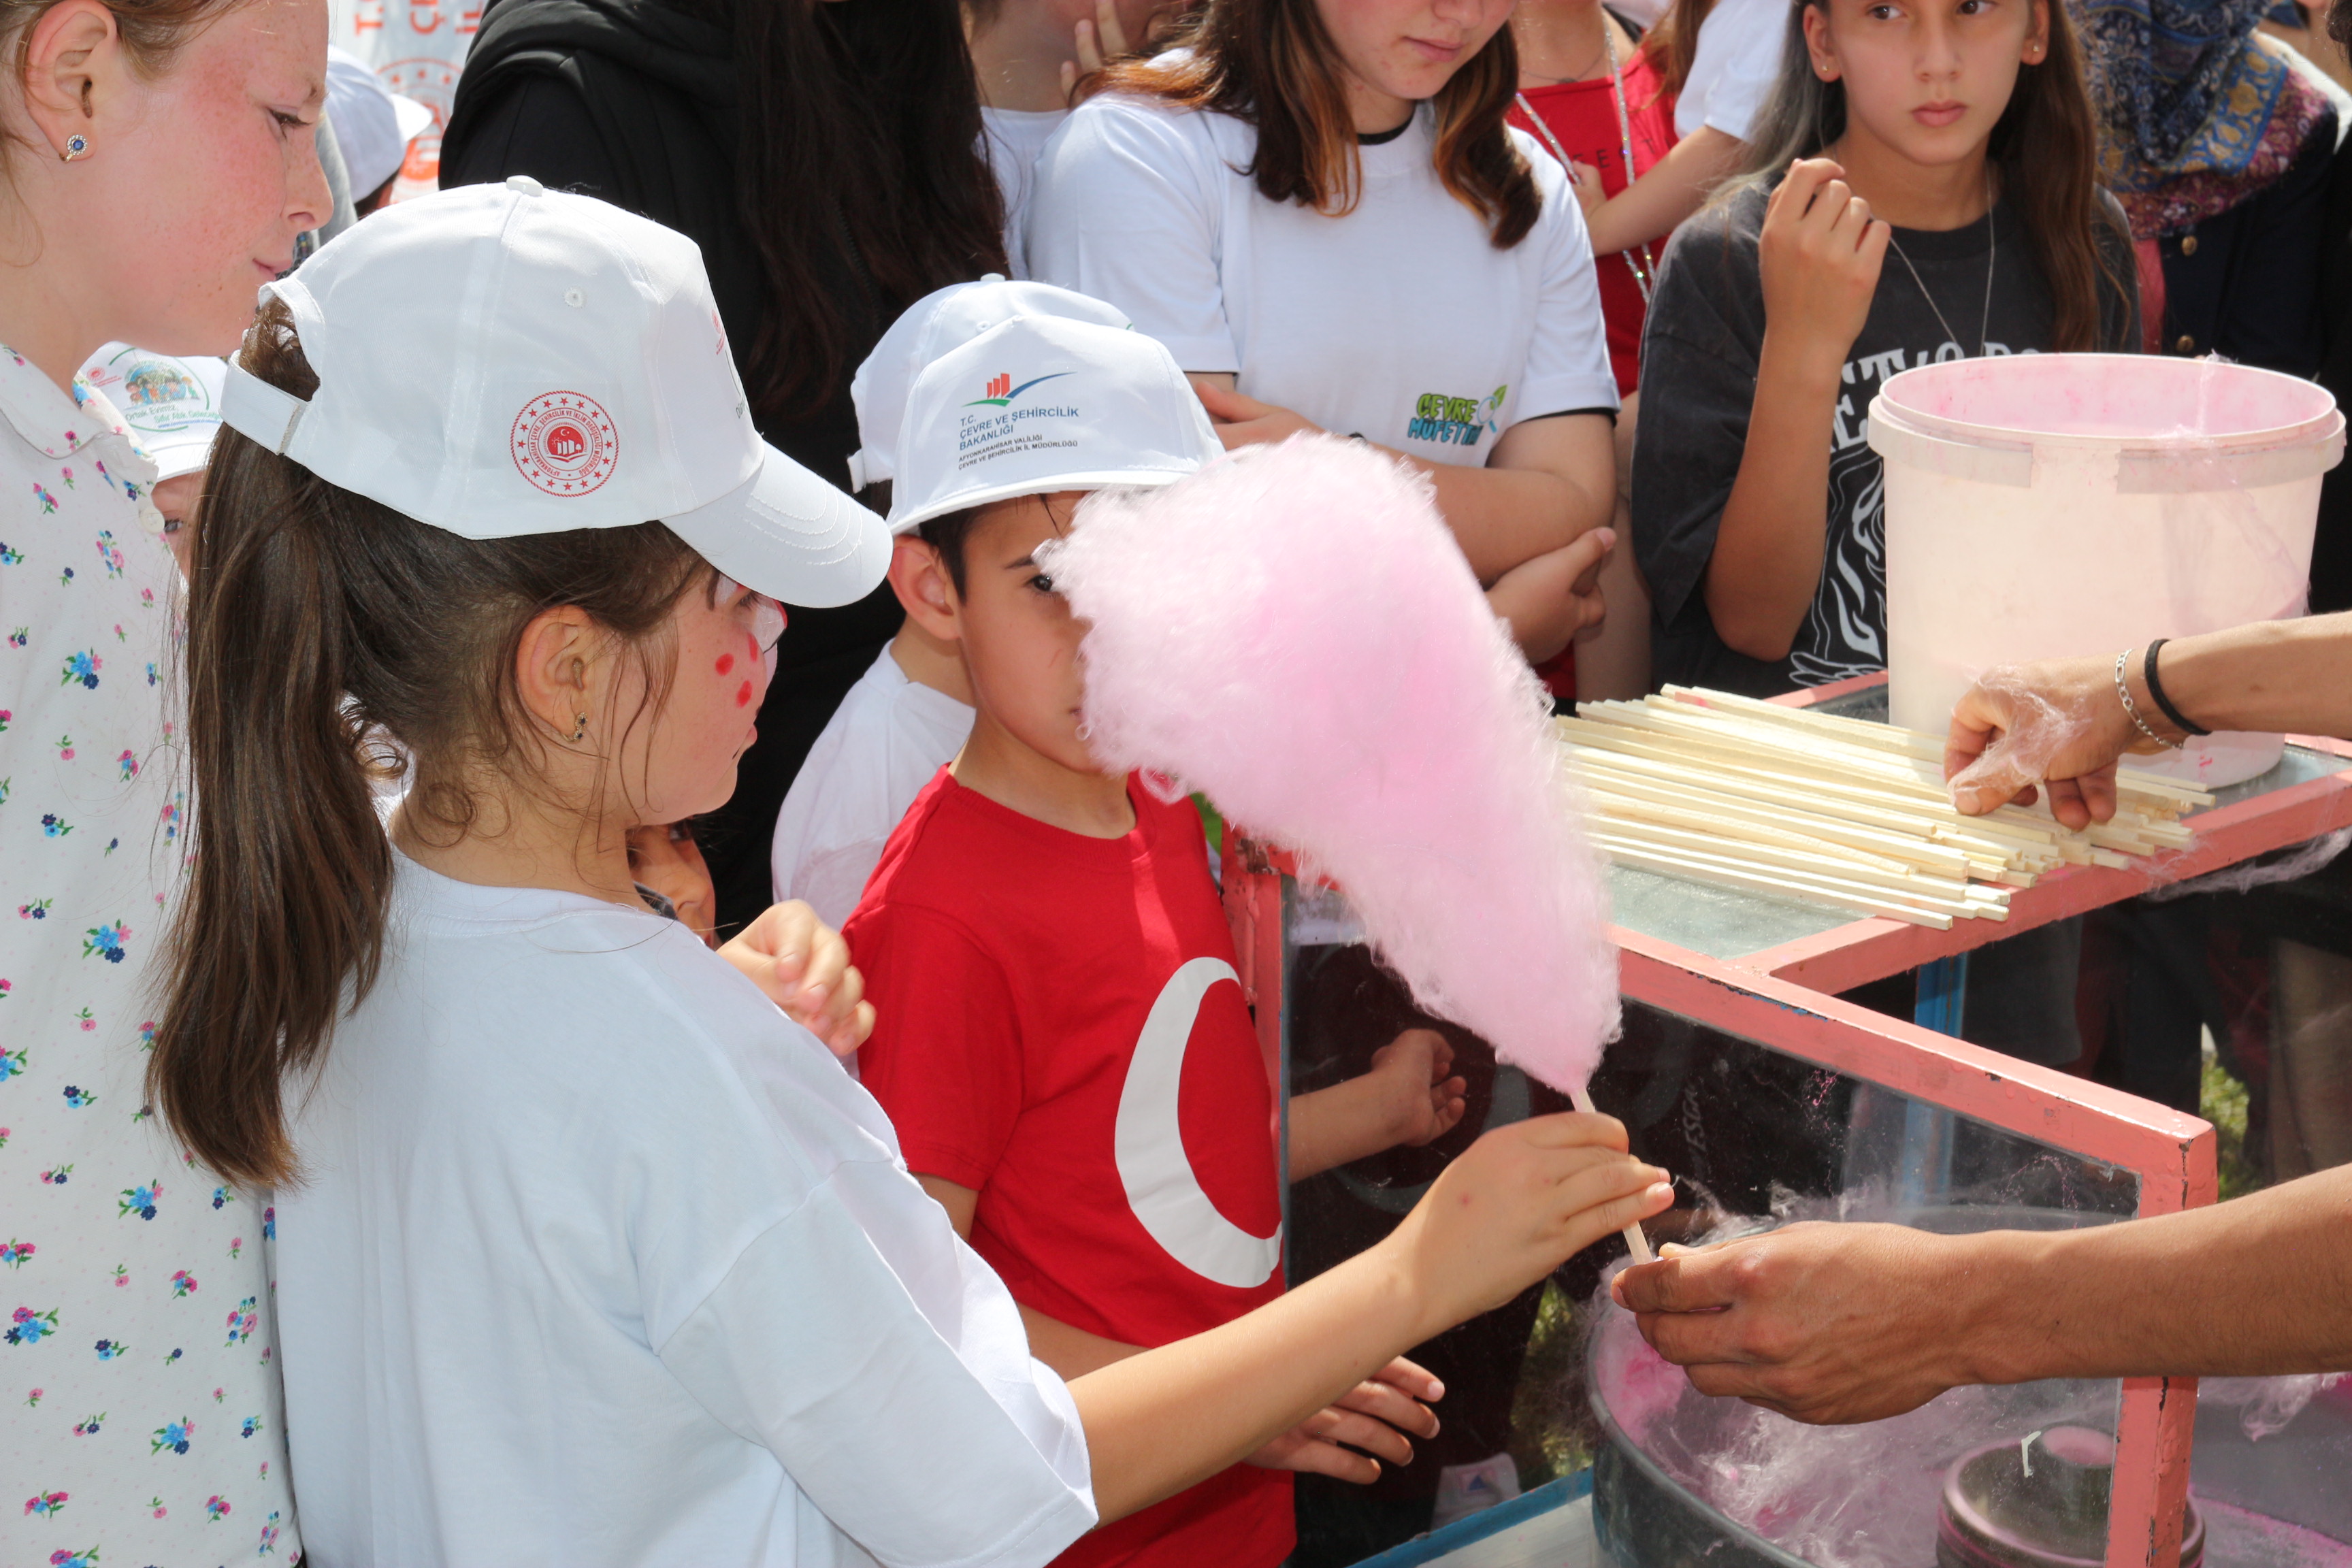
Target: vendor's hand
{"points": [[1824, 1323], [803, 966], [1586, 180], [1819, 255], [1419, 1099], [2058, 723], [665, 857], [1246, 422], [1373, 1416]]}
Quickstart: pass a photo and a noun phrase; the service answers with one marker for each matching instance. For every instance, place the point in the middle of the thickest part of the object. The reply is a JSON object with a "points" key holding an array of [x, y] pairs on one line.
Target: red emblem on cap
{"points": [[564, 443]]}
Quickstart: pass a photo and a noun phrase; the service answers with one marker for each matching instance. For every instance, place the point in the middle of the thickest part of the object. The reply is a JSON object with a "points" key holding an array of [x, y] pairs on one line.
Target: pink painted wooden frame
{"points": [[2172, 1154]]}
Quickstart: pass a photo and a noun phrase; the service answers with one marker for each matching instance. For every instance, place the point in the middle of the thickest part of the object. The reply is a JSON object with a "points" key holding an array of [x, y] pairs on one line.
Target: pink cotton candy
{"points": [[1293, 632]]}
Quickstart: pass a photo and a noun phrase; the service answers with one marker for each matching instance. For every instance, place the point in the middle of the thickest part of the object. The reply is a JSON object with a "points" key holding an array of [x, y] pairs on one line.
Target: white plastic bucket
{"points": [[2040, 506]]}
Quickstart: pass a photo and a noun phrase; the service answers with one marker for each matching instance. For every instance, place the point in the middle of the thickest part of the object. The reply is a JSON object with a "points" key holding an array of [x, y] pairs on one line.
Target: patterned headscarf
{"points": [[2194, 114]]}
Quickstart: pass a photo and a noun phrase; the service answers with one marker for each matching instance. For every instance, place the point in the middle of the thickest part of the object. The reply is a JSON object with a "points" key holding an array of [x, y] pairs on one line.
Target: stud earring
{"points": [[580, 728], [77, 146]]}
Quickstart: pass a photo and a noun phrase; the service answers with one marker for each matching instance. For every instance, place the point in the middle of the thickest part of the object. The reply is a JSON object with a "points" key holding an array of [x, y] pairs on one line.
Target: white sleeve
{"points": [[886, 1367], [831, 880], [1746, 37], [1568, 352], [1125, 207]]}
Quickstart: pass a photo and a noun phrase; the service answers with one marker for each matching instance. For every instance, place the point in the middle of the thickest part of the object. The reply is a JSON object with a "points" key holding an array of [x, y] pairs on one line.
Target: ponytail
{"points": [[321, 626]]}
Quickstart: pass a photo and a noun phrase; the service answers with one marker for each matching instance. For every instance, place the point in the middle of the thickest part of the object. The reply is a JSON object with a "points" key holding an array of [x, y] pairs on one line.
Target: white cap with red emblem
{"points": [[504, 360]]}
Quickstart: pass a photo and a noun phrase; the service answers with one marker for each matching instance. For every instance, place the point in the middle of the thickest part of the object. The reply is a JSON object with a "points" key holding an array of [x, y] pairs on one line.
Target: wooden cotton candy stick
{"points": [[1581, 1097]]}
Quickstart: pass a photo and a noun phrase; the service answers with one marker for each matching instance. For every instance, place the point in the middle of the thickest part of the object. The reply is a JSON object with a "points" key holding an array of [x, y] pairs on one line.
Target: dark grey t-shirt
{"points": [[1698, 382]]}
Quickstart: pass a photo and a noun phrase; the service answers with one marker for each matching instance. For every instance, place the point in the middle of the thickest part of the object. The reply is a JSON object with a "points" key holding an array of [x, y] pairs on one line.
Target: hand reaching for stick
{"points": [[2057, 725], [1825, 1323]]}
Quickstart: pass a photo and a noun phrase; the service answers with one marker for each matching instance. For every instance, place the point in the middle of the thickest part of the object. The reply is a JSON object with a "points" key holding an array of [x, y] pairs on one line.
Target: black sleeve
{"points": [[539, 126], [2120, 331], [2270, 313], [1699, 354]]}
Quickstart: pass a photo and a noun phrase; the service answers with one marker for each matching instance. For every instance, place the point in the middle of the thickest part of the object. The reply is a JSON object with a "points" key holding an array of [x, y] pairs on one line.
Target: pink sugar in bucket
{"points": [[2040, 506]]}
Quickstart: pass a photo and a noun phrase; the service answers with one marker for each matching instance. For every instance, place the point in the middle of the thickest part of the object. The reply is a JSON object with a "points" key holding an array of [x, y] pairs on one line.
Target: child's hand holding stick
{"points": [[1515, 1205]]}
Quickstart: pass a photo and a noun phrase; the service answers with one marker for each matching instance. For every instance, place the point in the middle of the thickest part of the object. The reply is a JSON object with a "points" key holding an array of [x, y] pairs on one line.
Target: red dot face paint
{"points": [[726, 663], [743, 695]]}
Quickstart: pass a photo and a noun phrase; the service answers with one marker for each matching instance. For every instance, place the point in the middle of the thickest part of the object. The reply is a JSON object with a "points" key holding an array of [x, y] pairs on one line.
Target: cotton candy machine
{"points": [[1981, 1478]]}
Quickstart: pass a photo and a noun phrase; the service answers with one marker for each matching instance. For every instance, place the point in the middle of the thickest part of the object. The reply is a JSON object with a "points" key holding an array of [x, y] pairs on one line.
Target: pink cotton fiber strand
{"points": [[1293, 632]]}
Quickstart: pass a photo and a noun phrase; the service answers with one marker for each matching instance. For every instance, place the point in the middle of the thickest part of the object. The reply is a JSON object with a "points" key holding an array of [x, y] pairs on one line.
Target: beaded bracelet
{"points": [[2156, 690], [2132, 708]]}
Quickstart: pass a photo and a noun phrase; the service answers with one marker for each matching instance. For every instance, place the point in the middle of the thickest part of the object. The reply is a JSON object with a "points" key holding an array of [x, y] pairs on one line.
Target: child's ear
{"points": [[73, 64], [1820, 47], [557, 662], [2037, 37], [920, 580]]}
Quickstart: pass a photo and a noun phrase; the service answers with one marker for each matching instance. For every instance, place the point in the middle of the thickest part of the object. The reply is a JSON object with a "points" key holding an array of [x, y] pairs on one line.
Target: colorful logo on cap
{"points": [[1001, 390], [564, 443]]}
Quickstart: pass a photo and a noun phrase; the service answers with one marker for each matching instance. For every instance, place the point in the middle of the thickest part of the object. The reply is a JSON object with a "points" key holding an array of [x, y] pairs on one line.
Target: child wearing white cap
{"points": [[909, 715], [1040, 935], [586, 1252], [373, 126]]}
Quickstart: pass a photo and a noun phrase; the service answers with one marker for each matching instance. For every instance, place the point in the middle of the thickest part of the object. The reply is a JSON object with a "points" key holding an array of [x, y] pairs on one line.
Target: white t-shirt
{"points": [[599, 1259], [1399, 323], [1010, 141], [884, 742], [1734, 68]]}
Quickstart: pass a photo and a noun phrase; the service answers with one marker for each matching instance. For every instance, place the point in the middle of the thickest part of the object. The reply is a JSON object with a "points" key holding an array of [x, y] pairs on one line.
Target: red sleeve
{"points": [[944, 1059]]}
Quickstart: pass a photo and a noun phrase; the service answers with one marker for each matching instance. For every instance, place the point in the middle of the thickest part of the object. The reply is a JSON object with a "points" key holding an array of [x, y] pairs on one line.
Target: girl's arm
{"points": [[1370, 1419], [1548, 482], [1516, 1204], [1669, 191], [1819, 257]]}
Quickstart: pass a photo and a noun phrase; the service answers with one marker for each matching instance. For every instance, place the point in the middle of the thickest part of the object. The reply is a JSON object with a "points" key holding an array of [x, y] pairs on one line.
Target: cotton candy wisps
{"points": [[1293, 632]]}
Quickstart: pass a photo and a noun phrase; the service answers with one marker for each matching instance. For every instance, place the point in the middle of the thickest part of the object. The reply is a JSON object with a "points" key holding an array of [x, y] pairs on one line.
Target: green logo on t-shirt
{"points": [[1455, 421]]}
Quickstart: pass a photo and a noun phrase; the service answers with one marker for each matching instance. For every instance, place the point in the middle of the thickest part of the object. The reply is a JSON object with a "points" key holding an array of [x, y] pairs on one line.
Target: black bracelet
{"points": [[2148, 673]]}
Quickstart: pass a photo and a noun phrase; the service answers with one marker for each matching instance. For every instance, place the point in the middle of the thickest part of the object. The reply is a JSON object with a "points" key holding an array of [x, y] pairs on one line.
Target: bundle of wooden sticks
{"points": [[1838, 812]]}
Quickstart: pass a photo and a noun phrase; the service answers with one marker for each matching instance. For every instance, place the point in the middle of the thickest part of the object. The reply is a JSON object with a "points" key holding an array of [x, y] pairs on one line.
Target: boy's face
{"points": [[1020, 640]]}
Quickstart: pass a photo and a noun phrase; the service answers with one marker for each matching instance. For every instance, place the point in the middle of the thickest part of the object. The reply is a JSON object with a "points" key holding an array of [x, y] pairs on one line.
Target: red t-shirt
{"points": [[1582, 117], [1058, 1027]]}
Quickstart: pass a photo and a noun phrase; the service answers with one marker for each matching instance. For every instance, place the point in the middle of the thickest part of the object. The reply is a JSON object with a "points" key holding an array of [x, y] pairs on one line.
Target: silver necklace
{"points": [[1984, 323], [1625, 150]]}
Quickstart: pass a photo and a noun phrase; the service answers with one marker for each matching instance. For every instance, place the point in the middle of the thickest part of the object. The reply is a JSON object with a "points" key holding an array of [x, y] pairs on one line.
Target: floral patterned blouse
{"points": [[139, 1403]]}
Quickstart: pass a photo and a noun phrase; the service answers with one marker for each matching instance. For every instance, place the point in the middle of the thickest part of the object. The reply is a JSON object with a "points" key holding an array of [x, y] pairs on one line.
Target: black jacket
{"points": [[634, 102]]}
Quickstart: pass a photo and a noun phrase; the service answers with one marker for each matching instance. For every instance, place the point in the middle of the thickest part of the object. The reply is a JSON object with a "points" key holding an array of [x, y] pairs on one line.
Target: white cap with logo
{"points": [[990, 390], [373, 124], [172, 405], [501, 361]]}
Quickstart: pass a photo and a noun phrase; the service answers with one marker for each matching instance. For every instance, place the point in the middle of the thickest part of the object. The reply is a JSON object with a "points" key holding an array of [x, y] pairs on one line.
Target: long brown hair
{"points": [[321, 626], [858, 157], [1673, 43], [2046, 146], [1272, 63]]}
